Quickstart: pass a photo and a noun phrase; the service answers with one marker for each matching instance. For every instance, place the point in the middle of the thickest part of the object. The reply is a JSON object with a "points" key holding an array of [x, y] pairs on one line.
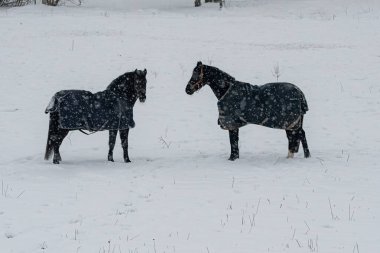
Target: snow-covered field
{"points": [[180, 193]]}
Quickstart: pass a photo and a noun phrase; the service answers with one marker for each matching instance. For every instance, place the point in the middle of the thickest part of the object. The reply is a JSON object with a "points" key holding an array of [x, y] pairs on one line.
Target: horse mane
{"points": [[218, 73], [123, 79]]}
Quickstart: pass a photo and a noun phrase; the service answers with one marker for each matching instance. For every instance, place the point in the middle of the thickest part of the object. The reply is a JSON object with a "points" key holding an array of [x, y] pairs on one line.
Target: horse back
{"points": [[274, 105], [284, 93], [81, 109], [73, 97]]}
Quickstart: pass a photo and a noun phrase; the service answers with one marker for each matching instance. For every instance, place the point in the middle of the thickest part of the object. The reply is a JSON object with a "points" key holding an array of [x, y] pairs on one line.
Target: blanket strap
{"points": [[296, 124], [83, 132], [92, 132]]}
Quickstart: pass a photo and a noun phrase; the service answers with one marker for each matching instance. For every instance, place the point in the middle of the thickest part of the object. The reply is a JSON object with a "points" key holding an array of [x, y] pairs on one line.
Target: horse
{"points": [[275, 105], [111, 109]]}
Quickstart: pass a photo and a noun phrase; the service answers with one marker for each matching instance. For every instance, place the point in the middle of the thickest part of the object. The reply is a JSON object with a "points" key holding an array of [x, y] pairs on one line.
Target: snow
{"points": [[180, 193]]}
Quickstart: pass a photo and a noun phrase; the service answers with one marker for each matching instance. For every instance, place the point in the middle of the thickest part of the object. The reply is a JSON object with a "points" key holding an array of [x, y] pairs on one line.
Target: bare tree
{"points": [[56, 2], [14, 3], [51, 2], [221, 2]]}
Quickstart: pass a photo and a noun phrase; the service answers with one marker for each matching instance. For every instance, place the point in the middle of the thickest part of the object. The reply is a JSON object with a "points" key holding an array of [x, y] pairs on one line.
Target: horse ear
{"points": [[145, 72], [199, 64], [136, 71]]}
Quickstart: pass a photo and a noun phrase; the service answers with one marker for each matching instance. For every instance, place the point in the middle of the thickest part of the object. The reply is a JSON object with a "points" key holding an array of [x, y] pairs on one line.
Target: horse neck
{"points": [[126, 79], [218, 81]]}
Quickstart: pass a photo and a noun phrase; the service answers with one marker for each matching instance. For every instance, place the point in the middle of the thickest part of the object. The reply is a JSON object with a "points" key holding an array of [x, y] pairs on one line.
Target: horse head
{"points": [[197, 80], [140, 84]]}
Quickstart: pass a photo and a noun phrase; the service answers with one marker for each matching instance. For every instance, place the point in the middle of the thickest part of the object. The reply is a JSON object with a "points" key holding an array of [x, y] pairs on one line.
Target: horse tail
{"points": [[50, 109], [49, 145], [304, 106], [301, 98], [52, 106]]}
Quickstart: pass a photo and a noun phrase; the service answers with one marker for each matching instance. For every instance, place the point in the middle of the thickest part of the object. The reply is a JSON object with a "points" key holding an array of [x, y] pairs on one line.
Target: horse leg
{"points": [[304, 144], [53, 128], [111, 144], [302, 138], [234, 142], [58, 138], [124, 144], [55, 138], [294, 142]]}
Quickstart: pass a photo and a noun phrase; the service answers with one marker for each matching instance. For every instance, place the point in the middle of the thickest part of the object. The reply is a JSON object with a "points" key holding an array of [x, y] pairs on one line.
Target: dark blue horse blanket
{"points": [[274, 105], [80, 109]]}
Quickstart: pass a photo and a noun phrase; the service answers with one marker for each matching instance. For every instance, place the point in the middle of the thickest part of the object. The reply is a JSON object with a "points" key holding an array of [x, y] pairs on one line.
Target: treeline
{"points": [[16, 3]]}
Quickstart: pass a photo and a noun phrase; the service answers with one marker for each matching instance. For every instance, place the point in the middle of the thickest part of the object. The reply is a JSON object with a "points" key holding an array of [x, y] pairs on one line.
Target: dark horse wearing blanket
{"points": [[111, 109], [274, 105]]}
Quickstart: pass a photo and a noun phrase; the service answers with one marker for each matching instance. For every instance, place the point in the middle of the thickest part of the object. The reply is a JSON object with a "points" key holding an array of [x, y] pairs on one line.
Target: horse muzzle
{"points": [[189, 90]]}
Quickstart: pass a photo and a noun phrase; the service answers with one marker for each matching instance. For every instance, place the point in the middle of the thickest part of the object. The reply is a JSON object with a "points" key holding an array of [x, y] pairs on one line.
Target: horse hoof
{"points": [[127, 160], [307, 155], [55, 161], [233, 158], [290, 155]]}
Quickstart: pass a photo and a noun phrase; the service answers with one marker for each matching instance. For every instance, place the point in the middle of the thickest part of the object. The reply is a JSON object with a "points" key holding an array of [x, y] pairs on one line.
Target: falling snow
{"points": [[180, 193]]}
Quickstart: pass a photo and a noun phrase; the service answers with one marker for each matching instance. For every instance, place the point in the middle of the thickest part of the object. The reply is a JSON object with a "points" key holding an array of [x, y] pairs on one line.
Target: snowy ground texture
{"points": [[180, 193]]}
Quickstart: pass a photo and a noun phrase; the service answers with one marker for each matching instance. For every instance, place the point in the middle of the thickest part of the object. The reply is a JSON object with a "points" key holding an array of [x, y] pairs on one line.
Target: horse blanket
{"points": [[80, 109], [274, 105]]}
